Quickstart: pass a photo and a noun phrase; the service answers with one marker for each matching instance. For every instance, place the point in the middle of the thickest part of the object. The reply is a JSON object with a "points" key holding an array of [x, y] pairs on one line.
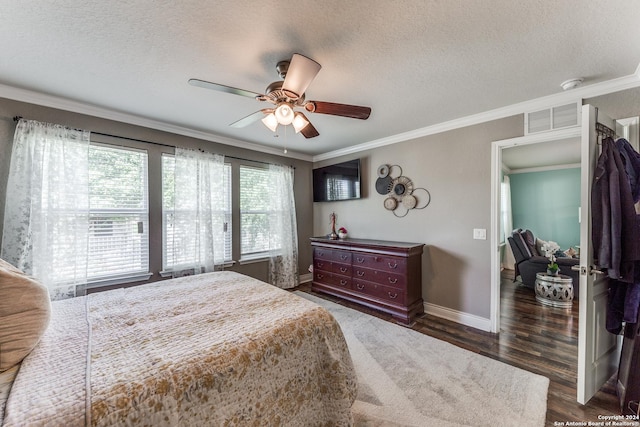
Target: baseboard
{"points": [[458, 316], [304, 278]]}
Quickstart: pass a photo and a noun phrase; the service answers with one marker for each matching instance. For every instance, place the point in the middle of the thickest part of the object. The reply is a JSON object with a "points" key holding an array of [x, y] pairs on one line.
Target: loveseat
{"points": [[529, 260]]}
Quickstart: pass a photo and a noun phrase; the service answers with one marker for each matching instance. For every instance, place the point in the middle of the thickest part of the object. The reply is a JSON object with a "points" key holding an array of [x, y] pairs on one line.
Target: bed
{"points": [[214, 349]]}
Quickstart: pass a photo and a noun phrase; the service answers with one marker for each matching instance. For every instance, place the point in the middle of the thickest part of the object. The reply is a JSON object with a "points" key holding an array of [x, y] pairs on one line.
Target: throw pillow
{"points": [[530, 240], [539, 244], [25, 310]]}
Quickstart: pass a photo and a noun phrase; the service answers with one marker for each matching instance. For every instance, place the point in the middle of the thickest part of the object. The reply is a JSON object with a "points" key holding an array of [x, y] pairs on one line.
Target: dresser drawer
{"points": [[376, 290], [322, 253], [342, 256], [381, 277], [322, 264], [340, 281], [378, 262], [344, 269], [321, 276]]}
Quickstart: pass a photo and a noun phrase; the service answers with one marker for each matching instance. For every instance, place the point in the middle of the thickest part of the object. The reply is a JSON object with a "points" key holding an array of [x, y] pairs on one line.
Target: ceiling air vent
{"points": [[559, 117]]}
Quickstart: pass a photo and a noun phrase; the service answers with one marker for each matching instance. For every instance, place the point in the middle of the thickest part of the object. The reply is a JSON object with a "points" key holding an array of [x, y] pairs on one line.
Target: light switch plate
{"points": [[480, 233]]}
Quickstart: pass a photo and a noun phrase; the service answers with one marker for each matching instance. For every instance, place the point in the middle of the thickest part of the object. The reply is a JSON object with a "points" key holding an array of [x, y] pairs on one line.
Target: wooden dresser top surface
{"points": [[367, 243]]}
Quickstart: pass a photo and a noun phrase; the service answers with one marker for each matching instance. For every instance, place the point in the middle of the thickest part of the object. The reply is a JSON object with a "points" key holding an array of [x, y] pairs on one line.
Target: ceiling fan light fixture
{"points": [[299, 122], [284, 114], [270, 121]]}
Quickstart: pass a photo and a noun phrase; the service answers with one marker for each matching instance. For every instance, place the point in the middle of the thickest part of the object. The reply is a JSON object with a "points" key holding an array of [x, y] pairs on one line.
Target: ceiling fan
{"points": [[286, 96]]}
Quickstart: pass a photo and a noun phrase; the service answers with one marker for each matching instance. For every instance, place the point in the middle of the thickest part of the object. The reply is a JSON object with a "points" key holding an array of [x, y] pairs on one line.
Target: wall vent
{"points": [[559, 117]]}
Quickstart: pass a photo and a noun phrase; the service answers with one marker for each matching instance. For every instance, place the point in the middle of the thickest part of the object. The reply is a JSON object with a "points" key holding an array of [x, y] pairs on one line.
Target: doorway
{"points": [[565, 140], [598, 351]]}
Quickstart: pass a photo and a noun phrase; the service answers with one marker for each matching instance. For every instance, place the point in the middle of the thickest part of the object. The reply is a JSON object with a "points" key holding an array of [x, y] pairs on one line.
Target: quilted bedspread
{"points": [[215, 349]]}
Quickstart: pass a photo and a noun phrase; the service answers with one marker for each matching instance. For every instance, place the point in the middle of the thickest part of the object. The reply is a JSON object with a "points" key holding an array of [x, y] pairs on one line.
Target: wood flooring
{"points": [[537, 338]]}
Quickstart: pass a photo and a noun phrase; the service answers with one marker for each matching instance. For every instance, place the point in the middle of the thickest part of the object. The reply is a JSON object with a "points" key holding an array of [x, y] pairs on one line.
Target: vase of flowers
{"points": [[550, 248], [342, 233]]}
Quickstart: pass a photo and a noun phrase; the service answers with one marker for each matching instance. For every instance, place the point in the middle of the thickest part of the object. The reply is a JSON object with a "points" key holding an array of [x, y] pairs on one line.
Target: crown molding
{"points": [[32, 97], [578, 94]]}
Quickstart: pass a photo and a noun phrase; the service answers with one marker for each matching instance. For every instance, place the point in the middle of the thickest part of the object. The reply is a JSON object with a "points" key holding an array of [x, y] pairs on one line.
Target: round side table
{"points": [[556, 291]]}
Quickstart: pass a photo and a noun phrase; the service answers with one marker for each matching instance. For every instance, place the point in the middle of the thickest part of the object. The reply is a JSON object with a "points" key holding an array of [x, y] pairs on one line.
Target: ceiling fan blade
{"points": [[223, 88], [301, 72], [309, 131], [246, 121], [344, 110]]}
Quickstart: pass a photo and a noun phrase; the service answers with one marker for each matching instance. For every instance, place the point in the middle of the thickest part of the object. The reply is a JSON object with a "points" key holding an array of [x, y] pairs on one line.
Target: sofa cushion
{"points": [[25, 309]]}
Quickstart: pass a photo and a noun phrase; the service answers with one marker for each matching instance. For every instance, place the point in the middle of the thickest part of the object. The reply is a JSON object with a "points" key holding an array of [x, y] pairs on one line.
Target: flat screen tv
{"points": [[337, 182]]}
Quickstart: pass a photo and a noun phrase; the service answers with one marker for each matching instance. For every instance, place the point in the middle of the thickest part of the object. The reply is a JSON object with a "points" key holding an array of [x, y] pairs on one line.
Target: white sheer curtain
{"points": [[46, 219], [199, 220], [283, 233]]}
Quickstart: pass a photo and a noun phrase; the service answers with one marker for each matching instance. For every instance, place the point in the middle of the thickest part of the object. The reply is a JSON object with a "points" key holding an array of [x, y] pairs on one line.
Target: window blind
{"points": [[254, 210], [118, 212]]}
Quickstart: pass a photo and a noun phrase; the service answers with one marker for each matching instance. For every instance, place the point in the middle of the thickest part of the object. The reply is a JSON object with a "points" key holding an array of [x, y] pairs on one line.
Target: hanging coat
{"points": [[615, 227]]}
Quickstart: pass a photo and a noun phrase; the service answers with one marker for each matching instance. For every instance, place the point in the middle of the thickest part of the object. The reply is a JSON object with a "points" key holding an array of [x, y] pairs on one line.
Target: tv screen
{"points": [[337, 182]]}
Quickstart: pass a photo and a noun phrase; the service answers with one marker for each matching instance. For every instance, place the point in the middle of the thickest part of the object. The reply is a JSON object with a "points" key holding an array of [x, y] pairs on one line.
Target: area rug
{"points": [[406, 378]]}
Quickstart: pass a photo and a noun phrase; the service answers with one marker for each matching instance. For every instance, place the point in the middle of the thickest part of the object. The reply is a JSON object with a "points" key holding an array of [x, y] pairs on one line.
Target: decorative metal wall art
{"points": [[402, 195]]}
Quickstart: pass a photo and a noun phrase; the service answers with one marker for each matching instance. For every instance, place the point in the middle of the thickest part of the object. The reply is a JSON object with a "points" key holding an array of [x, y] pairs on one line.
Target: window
{"points": [[169, 257], [118, 213], [254, 211]]}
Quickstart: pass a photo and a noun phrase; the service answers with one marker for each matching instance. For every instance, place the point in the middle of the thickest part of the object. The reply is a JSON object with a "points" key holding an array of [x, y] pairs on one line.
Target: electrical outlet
{"points": [[480, 233]]}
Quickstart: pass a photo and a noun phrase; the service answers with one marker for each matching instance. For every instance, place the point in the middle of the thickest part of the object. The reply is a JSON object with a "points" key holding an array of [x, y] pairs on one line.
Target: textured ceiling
{"points": [[415, 63]]}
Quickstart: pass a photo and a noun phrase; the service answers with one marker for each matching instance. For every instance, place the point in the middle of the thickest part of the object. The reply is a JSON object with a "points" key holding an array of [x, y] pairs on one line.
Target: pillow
{"points": [[570, 252], [527, 235], [539, 244], [25, 309], [6, 381]]}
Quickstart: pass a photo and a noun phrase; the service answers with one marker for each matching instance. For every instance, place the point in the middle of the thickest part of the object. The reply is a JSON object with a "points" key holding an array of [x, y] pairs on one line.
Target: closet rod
{"points": [[17, 118]]}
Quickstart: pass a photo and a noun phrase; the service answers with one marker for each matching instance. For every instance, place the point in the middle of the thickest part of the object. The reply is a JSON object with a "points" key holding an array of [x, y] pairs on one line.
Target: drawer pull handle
{"points": [[321, 264], [343, 257], [359, 286], [343, 269], [343, 282], [360, 260], [360, 273], [395, 264], [395, 280], [320, 276], [393, 296]]}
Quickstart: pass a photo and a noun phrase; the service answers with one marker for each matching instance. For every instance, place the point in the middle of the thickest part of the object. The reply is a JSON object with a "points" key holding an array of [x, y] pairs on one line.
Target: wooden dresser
{"points": [[379, 274]]}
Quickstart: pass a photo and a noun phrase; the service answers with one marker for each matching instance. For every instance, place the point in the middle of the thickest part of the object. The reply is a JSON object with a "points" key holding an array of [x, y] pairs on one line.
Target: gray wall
{"points": [[455, 167], [302, 183]]}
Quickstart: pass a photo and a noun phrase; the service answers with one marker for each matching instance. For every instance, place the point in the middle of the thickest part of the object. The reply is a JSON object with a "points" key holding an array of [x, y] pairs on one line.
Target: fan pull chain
{"points": [[285, 139]]}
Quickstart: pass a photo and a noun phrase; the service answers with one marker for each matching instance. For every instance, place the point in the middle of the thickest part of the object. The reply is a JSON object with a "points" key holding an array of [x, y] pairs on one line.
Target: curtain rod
{"points": [[17, 118]]}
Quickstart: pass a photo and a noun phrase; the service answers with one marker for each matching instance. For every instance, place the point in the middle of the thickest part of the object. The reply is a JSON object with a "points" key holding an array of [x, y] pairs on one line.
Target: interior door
{"points": [[598, 350]]}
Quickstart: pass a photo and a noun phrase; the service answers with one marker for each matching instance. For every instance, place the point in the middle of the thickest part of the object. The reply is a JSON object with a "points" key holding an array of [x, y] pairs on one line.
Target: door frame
{"points": [[496, 169]]}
